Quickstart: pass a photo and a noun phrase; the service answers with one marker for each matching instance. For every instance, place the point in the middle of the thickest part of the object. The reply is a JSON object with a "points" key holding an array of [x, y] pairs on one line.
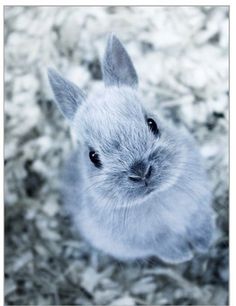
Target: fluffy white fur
{"points": [[171, 217]]}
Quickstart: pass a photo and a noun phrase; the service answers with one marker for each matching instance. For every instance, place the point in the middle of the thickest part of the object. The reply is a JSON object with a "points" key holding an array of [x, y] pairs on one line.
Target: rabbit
{"points": [[135, 185]]}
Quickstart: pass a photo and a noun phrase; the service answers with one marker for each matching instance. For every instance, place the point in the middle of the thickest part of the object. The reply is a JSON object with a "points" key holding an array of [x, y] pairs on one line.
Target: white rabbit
{"points": [[135, 187]]}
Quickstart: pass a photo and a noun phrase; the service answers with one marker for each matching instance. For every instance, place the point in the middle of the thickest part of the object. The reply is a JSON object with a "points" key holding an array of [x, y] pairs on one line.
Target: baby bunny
{"points": [[135, 186]]}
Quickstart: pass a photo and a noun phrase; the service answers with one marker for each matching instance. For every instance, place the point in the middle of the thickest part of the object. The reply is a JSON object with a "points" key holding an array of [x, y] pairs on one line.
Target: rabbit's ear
{"points": [[67, 95], [117, 66]]}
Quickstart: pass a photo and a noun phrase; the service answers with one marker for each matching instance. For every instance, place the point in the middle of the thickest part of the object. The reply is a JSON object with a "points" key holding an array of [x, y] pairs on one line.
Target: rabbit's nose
{"points": [[140, 171]]}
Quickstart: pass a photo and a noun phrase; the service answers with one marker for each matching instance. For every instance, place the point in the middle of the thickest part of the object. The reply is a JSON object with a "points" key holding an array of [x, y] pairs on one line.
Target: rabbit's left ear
{"points": [[67, 95], [117, 66]]}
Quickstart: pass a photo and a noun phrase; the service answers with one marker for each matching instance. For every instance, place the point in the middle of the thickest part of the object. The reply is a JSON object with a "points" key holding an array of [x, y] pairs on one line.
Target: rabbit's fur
{"points": [[168, 216]]}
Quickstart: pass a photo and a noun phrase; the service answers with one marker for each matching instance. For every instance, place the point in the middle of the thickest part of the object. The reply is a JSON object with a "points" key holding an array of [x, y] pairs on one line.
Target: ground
{"points": [[181, 55]]}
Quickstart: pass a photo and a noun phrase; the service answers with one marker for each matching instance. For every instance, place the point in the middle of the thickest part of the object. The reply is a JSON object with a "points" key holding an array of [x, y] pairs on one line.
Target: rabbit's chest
{"points": [[119, 235], [124, 234]]}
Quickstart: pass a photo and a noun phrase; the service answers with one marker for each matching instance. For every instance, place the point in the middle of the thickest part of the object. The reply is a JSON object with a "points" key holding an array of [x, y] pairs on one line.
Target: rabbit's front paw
{"points": [[201, 233], [174, 251]]}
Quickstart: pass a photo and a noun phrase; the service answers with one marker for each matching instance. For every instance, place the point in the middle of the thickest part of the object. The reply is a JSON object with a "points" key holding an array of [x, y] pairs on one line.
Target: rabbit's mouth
{"points": [[145, 191], [149, 190]]}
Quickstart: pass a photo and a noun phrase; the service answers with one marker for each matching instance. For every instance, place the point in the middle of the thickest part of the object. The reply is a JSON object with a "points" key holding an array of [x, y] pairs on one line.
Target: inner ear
{"points": [[68, 96], [117, 66]]}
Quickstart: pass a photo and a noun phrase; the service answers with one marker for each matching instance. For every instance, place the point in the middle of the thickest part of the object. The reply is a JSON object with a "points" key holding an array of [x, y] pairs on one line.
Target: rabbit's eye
{"points": [[94, 157], [153, 126]]}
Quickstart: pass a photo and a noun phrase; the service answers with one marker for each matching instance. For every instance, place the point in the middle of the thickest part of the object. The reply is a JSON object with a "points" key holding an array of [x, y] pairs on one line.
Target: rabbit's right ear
{"points": [[117, 66], [67, 95]]}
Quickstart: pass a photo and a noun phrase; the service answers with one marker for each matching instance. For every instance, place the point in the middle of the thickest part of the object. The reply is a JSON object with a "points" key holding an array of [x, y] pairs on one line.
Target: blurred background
{"points": [[181, 56]]}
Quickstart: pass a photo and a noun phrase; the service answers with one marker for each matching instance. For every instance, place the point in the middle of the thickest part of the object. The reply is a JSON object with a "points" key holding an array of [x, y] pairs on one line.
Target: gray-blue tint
{"points": [[168, 214], [67, 95], [117, 66]]}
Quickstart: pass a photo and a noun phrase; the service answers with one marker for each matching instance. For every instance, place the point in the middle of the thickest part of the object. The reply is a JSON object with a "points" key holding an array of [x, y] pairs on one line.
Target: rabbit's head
{"points": [[129, 152]]}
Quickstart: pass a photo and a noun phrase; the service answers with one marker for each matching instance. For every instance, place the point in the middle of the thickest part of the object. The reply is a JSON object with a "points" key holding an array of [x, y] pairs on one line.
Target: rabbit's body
{"points": [[135, 187]]}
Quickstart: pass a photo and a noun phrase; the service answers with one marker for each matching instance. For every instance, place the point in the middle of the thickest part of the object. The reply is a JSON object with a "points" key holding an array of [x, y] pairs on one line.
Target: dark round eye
{"points": [[94, 157], [153, 126]]}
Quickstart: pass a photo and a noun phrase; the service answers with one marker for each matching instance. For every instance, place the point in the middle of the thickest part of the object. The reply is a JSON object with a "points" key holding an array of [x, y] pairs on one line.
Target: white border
{"points": [[116, 3], [232, 109], [232, 223], [2, 165]]}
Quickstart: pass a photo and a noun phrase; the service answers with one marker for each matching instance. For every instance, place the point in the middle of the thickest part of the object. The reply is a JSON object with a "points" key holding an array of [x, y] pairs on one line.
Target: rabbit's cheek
{"points": [[161, 179]]}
